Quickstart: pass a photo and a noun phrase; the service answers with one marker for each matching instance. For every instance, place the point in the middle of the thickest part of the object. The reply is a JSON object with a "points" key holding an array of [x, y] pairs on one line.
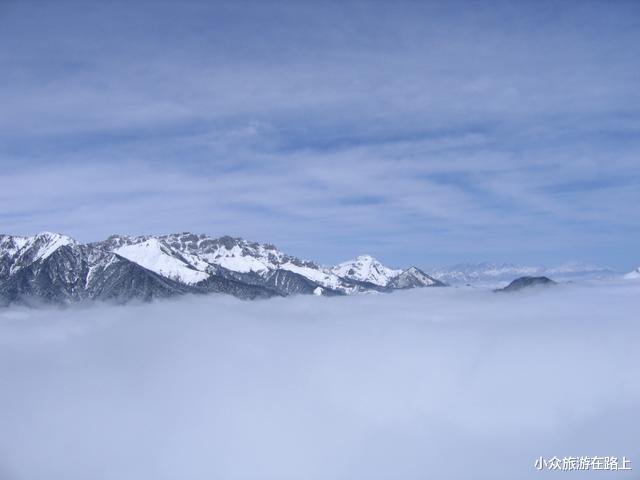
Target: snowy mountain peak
{"points": [[23, 251], [413, 277], [365, 268], [53, 236], [47, 243], [634, 275]]}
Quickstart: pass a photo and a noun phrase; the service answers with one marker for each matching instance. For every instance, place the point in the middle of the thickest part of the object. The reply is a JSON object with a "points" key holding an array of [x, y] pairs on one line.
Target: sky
{"points": [[422, 133], [439, 383]]}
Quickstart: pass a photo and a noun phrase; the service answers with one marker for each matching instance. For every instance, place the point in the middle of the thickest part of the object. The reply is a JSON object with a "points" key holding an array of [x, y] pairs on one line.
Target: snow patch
{"points": [[233, 259], [325, 279], [154, 256]]}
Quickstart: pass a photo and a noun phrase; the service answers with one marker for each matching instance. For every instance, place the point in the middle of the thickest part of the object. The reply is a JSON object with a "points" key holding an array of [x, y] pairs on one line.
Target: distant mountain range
{"points": [[487, 273], [54, 268]]}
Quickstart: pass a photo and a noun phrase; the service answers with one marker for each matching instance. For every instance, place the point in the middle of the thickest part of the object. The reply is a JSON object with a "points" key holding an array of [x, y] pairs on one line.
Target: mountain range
{"points": [[54, 268], [492, 274]]}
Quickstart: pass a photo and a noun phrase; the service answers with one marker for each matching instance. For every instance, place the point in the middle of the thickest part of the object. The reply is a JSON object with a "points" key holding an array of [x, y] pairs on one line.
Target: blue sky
{"points": [[424, 133]]}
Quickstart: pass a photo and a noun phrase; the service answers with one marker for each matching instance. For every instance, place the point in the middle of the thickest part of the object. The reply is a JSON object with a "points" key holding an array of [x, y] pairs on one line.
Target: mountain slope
{"points": [[159, 258], [414, 278]]}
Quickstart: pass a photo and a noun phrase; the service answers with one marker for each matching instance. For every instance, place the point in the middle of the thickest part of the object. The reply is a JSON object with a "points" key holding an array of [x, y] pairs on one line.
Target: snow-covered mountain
{"points": [[634, 275], [366, 269], [55, 268], [413, 277], [26, 250], [487, 273]]}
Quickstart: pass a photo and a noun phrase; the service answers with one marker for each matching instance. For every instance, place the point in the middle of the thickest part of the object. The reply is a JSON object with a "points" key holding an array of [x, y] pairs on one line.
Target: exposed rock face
{"points": [[526, 282]]}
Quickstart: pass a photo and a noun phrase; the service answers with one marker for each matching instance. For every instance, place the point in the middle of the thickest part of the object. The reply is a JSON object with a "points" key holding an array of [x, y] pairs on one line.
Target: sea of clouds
{"points": [[424, 384]]}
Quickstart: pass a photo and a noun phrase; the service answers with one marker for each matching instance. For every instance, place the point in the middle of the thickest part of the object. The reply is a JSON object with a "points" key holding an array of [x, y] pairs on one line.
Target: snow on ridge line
{"points": [[420, 275], [152, 255], [257, 260], [325, 279], [634, 275], [365, 268], [40, 246], [233, 259], [55, 241]]}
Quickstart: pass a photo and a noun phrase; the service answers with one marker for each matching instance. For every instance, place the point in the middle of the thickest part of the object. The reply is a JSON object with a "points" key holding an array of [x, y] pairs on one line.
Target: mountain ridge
{"points": [[55, 268]]}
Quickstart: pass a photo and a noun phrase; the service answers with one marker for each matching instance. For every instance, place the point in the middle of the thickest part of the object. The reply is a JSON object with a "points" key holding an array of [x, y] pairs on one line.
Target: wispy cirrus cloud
{"points": [[426, 133]]}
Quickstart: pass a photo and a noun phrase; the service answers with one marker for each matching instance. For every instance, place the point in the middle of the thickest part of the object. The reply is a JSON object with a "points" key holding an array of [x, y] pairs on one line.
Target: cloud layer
{"points": [[443, 383]]}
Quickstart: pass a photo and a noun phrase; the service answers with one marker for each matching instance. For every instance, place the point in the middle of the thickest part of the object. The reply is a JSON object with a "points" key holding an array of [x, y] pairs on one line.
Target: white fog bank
{"points": [[425, 384]]}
